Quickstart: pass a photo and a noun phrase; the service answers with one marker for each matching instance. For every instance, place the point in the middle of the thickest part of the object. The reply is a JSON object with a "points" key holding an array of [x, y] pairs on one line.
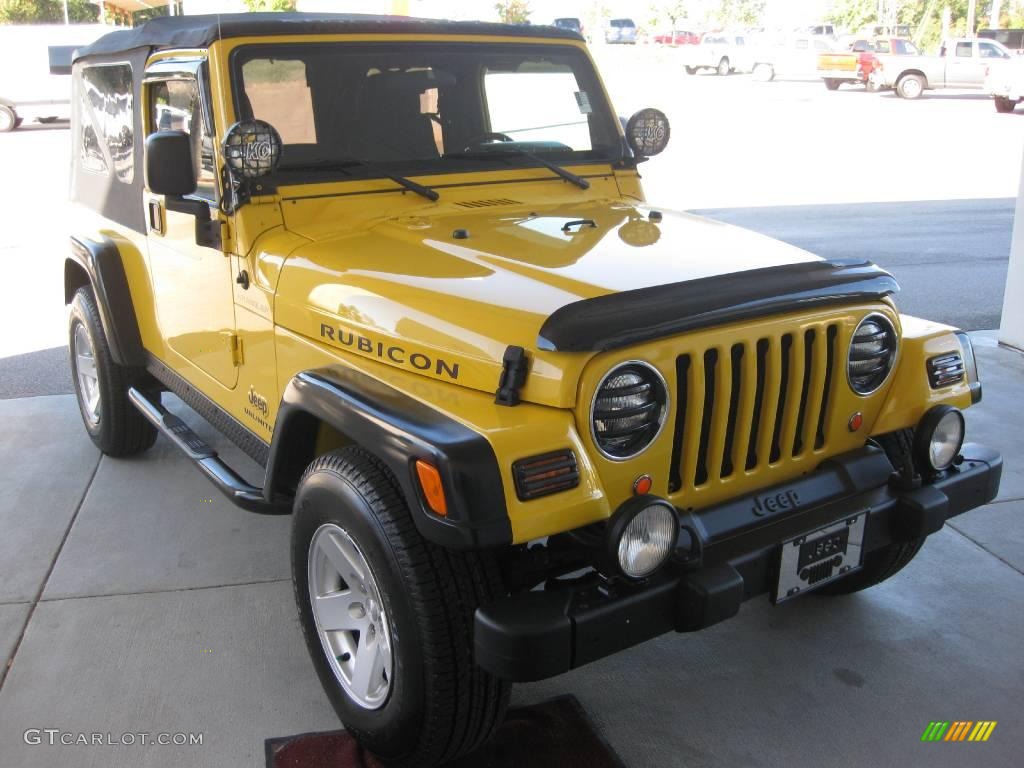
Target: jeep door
{"points": [[192, 283]]}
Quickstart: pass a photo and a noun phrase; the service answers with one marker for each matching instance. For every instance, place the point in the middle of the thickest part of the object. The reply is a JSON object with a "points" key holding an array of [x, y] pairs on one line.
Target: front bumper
{"points": [[539, 634]]}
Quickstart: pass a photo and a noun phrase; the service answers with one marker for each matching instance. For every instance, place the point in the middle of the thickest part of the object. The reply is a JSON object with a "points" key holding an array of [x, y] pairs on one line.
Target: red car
{"points": [[678, 37]]}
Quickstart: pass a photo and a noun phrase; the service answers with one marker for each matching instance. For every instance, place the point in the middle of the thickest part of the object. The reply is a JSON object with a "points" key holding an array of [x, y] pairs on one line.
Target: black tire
{"points": [[8, 119], [47, 120], [764, 73], [691, 70], [911, 86], [832, 84], [1004, 105], [724, 68], [439, 704], [118, 429], [886, 562]]}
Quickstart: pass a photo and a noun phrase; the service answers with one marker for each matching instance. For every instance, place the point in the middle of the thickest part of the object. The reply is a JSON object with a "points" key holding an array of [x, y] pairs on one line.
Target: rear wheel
{"points": [[832, 84], [910, 86], [101, 385], [388, 616], [691, 70], [8, 119], [886, 562], [1004, 105], [724, 68]]}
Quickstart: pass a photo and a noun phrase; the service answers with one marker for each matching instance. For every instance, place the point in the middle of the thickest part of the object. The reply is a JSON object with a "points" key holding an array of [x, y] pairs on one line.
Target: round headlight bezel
{"points": [[662, 399], [893, 355], [620, 525], [924, 436]]}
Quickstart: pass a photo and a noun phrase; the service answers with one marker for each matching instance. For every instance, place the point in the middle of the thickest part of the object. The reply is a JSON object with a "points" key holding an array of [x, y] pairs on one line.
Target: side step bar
{"points": [[228, 482]]}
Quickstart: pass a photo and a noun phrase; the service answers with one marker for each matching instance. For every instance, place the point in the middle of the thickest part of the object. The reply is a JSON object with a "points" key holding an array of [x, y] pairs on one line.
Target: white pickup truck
{"points": [[720, 51], [1004, 82], [960, 64]]}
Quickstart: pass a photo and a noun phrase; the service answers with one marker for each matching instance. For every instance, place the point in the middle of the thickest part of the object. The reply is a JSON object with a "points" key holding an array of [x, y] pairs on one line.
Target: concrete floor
{"points": [[133, 598]]}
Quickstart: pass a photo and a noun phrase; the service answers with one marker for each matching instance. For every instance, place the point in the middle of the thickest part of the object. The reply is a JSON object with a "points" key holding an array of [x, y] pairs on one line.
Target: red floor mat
{"points": [[552, 734]]}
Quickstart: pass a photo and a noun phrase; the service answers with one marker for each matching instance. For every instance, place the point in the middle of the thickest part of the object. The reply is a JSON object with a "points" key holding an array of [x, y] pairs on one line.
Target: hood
{"points": [[447, 295]]}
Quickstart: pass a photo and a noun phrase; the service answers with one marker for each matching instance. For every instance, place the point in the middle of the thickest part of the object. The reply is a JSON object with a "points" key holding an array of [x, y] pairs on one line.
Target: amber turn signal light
{"points": [[433, 488]]}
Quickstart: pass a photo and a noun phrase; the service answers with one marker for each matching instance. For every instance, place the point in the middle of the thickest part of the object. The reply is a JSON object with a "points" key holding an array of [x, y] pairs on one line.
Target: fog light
{"points": [[642, 536], [939, 437]]}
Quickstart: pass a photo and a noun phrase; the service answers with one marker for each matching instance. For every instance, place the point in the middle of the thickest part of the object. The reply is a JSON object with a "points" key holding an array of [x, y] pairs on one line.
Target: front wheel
{"points": [[691, 70], [724, 68], [832, 84], [910, 86], [1004, 105], [388, 616], [764, 72], [8, 119]]}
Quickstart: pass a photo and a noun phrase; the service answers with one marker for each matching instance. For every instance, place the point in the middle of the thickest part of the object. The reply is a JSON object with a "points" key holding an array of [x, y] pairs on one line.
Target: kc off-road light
{"points": [[642, 536], [939, 437], [872, 354], [629, 410]]}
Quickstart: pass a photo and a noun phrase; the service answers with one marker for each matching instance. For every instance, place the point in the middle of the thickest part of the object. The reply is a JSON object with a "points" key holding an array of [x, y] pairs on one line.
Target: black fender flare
{"points": [[398, 429], [101, 262]]}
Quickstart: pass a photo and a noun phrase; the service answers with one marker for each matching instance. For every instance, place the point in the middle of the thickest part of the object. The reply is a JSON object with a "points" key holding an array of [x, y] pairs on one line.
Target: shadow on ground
{"points": [[45, 372]]}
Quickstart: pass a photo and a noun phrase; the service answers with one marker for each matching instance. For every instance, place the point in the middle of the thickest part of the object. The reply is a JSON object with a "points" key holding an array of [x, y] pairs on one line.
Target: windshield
{"points": [[426, 107]]}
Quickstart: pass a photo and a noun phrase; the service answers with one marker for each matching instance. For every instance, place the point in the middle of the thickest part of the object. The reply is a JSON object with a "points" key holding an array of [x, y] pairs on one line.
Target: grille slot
{"points": [[754, 403], [945, 370]]}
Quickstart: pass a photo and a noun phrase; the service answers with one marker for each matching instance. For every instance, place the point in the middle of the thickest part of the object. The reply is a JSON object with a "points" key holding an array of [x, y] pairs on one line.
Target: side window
{"points": [[174, 105], [860, 46], [882, 46], [278, 92], [963, 50], [107, 141], [989, 51]]}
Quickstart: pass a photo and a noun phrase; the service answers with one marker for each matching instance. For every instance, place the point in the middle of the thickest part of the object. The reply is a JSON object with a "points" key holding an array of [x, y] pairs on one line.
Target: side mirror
{"points": [[170, 172], [169, 167], [647, 133]]}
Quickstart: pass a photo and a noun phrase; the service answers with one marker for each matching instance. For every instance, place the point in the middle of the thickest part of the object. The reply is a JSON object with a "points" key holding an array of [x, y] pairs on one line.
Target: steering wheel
{"points": [[489, 137]]}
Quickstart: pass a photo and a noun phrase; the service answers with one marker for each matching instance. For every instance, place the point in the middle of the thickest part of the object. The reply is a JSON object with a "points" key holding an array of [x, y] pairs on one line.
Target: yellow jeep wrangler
{"points": [[522, 420]]}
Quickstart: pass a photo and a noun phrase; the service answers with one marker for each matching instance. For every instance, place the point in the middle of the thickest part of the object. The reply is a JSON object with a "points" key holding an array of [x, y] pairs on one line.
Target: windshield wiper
{"points": [[558, 170], [341, 163]]}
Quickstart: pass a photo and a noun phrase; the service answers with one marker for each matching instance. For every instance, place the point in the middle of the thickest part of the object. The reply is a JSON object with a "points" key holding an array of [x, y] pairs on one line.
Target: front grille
{"points": [[752, 404]]}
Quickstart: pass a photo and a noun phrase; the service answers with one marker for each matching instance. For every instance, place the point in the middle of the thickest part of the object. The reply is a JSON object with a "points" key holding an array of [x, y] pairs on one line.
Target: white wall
{"points": [[1012, 330]]}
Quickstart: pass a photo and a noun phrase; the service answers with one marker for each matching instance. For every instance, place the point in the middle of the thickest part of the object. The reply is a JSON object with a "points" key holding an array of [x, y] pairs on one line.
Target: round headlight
{"points": [[629, 410], [939, 437], [642, 536], [872, 354]]}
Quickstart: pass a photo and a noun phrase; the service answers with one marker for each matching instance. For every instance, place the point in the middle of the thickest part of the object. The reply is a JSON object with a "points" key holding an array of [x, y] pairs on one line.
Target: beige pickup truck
{"points": [[960, 64]]}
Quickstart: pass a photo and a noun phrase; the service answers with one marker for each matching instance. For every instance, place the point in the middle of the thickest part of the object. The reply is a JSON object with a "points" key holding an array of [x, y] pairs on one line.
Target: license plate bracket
{"points": [[817, 557]]}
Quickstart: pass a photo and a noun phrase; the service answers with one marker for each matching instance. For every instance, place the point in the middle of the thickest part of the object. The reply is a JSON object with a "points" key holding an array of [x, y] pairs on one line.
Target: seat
{"points": [[391, 125]]}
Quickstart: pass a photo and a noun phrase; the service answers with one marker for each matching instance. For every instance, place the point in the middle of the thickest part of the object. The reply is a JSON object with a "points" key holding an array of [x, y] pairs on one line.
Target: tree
{"points": [[673, 10], [743, 13], [513, 11], [47, 11], [270, 5]]}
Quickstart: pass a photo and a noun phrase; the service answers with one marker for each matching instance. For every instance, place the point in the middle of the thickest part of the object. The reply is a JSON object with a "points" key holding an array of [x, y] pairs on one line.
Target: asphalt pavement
{"points": [[949, 256]]}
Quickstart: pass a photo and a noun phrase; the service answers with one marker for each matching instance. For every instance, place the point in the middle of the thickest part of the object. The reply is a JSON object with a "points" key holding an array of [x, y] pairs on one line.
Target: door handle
{"points": [[156, 217], [578, 223]]}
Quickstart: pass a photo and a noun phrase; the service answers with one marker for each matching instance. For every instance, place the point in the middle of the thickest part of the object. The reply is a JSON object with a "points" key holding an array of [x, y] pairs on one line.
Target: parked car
{"points": [[722, 52], [35, 70], [795, 57], [1013, 39], [1004, 82], [569, 22], [620, 31], [677, 37], [960, 64], [857, 64], [519, 427]]}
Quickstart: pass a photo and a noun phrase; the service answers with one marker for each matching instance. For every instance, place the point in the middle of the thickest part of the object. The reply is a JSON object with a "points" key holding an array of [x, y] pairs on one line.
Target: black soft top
{"points": [[201, 31]]}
